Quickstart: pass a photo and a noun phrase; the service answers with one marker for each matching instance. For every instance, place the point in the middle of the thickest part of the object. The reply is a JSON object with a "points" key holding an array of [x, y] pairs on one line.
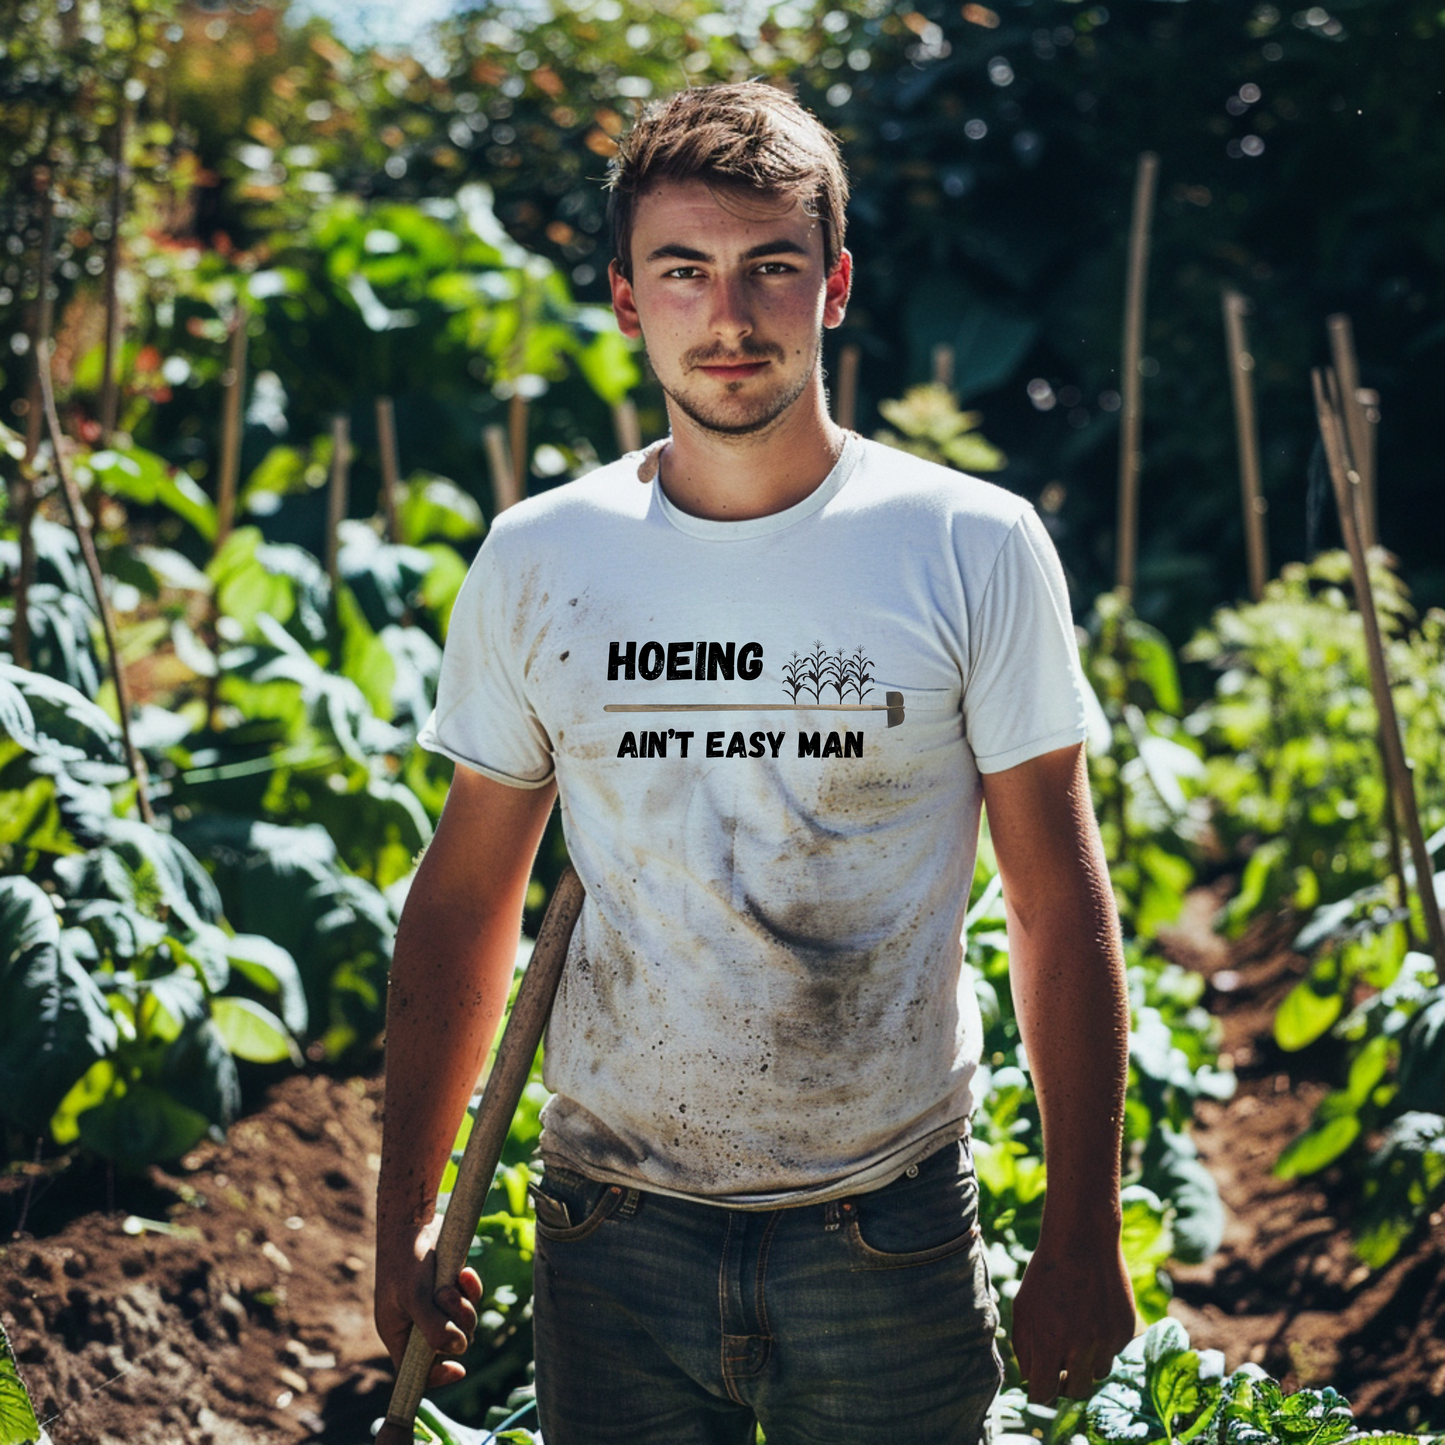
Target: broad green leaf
{"points": [[63, 723], [364, 658], [18, 1423], [54, 1022], [1422, 1057], [431, 507], [1154, 659], [1174, 1386], [87, 1091], [245, 589], [144, 477], [609, 366], [272, 968], [1305, 1015], [1147, 1243], [145, 1125], [440, 586], [1317, 1147], [252, 1032], [1368, 1068]]}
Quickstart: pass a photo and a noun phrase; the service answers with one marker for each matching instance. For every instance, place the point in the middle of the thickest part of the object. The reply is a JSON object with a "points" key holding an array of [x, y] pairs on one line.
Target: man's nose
{"points": [[732, 317]]}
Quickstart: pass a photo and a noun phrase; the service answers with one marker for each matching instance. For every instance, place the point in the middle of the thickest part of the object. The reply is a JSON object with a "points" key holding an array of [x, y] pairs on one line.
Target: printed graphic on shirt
{"points": [[811, 675]]}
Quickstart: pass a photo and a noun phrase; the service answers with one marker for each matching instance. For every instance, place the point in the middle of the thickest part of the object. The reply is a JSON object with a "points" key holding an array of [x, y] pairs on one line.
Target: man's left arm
{"points": [[1074, 1310]]}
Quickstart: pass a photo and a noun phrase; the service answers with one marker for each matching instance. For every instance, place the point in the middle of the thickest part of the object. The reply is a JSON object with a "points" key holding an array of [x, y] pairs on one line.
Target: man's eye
{"points": [[776, 268], [683, 273]]}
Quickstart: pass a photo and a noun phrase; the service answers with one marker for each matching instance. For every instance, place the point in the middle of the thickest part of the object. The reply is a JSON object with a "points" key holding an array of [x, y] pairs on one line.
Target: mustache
{"points": [[750, 351]]}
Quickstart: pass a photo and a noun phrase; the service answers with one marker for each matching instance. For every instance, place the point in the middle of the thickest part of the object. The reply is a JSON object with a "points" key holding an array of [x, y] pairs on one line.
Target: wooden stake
{"points": [[390, 477], [626, 427], [504, 480], [1346, 480], [1241, 373], [78, 520], [1357, 427], [233, 382], [1132, 412], [336, 500], [517, 431], [943, 366], [109, 386], [845, 403]]}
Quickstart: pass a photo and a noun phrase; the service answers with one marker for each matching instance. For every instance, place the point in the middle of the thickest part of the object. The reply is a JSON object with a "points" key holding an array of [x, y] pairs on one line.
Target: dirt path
{"points": [[1285, 1289], [254, 1328]]}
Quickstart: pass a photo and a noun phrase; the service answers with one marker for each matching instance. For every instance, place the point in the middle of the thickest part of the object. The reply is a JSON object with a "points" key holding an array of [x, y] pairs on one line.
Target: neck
{"points": [[727, 478]]}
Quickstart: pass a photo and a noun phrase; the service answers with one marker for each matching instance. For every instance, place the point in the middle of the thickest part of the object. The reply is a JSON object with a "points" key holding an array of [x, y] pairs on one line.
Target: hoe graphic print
{"points": [[811, 673]]}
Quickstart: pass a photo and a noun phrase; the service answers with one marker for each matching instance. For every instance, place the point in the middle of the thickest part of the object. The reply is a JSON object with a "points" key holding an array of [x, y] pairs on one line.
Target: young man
{"points": [[773, 671]]}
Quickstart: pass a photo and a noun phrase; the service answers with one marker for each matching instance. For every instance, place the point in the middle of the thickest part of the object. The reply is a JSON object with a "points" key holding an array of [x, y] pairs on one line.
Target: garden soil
{"points": [[1286, 1289], [251, 1325]]}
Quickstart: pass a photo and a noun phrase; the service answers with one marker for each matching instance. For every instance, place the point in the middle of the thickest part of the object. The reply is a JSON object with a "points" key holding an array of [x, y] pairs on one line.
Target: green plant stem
{"points": [[78, 520]]}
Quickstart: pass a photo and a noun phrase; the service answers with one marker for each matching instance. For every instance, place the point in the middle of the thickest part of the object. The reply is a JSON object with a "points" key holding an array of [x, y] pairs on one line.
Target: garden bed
{"points": [[250, 1327], [256, 1329], [1286, 1289]]}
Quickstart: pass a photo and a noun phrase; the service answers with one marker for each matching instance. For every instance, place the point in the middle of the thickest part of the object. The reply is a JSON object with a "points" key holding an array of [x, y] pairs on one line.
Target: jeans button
{"points": [[912, 1171]]}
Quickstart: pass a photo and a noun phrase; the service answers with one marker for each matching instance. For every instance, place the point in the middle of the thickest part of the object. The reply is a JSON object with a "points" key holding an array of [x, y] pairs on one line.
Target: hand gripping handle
{"points": [[503, 1091]]}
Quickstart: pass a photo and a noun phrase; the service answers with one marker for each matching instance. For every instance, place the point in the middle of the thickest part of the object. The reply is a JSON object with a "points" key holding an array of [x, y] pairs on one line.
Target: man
{"points": [[773, 671]]}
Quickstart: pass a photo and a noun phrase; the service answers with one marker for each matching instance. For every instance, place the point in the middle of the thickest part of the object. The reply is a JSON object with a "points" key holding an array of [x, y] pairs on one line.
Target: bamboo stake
{"points": [[626, 427], [337, 495], [1241, 372], [1347, 486], [845, 405], [1370, 407], [517, 428], [78, 520], [1132, 412], [390, 477], [1357, 428], [109, 386], [233, 380], [943, 366], [504, 480]]}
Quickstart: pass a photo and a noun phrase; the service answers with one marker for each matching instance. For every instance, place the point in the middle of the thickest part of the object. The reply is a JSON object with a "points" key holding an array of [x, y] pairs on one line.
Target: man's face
{"points": [[729, 294]]}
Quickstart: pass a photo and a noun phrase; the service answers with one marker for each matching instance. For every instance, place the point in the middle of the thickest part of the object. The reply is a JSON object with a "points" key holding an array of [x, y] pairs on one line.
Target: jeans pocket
{"points": [[916, 1219], [569, 1206]]}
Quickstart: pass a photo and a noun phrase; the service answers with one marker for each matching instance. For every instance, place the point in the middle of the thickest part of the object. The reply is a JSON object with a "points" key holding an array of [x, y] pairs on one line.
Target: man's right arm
{"points": [[456, 946]]}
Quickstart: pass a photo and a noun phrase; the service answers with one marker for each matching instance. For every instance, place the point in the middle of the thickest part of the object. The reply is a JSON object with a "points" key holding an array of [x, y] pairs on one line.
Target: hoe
{"points": [[515, 1053]]}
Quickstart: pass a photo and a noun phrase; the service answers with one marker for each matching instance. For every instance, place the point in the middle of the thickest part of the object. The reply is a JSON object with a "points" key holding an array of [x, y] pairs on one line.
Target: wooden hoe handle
{"points": [[508, 1078]]}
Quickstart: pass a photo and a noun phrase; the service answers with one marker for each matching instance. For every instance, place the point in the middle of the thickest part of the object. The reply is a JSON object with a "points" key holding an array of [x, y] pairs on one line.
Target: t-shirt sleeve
{"points": [[1025, 691], [482, 717]]}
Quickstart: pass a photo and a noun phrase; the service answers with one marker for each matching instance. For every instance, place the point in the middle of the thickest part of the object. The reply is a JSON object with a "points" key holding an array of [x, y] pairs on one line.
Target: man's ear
{"points": [[624, 303], [837, 289]]}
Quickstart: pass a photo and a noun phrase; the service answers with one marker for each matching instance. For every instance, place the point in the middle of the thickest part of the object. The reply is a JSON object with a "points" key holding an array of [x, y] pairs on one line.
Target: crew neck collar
{"points": [[819, 497]]}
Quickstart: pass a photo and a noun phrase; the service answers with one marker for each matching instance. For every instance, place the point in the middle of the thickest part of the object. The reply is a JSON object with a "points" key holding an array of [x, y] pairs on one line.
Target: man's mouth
{"points": [[732, 370]]}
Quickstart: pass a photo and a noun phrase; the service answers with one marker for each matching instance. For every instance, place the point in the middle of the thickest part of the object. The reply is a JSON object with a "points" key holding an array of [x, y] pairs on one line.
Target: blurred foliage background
{"points": [[428, 223]]}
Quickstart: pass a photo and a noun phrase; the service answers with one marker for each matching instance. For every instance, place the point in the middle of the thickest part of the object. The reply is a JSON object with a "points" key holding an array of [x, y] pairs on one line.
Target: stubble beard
{"points": [[768, 408]]}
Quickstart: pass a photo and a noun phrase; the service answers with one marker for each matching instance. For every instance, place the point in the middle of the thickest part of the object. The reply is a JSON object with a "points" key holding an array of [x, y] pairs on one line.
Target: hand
{"points": [[1073, 1313], [407, 1293]]}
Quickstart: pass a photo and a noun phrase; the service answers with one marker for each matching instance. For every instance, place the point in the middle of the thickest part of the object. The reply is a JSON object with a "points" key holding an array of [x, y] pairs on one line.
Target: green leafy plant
{"points": [[18, 1422], [934, 428]]}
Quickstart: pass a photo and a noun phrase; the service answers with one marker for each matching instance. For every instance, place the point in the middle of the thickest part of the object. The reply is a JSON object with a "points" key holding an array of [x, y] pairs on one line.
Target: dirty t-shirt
{"points": [[765, 998]]}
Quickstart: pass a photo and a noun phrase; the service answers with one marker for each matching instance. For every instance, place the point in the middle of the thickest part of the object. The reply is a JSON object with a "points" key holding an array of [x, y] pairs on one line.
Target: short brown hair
{"points": [[747, 134]]}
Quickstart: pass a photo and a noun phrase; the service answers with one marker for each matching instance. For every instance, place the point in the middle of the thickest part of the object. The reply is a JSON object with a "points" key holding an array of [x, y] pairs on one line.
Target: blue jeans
{"points": [[660, 1321]]}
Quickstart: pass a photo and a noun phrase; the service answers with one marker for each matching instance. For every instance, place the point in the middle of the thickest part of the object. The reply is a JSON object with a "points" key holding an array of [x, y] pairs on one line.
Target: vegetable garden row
{"points": [[276, 713]]}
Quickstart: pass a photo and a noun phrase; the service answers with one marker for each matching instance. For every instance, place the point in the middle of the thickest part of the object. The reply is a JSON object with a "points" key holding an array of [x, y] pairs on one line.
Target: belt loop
{"points": [[831, 1216], [628, 1207]]}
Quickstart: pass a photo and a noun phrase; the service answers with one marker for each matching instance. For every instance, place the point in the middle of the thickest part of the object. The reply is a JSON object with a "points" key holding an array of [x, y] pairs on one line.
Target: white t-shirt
{"points": [[765, 999]]}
